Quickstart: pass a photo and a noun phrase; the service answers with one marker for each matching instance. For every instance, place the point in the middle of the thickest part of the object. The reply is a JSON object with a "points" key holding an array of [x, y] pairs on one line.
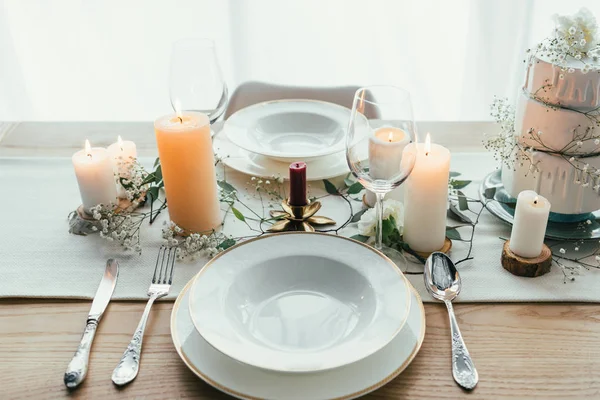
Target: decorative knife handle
{"points": [[463, 369], [78, 367]]}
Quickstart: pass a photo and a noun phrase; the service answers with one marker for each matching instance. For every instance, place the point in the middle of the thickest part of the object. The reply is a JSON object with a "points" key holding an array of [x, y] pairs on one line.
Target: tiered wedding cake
{"points": [[557, 120]]}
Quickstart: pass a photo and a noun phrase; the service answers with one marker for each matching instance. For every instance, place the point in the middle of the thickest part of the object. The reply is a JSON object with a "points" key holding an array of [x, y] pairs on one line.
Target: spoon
{"points": [[443, 282]]}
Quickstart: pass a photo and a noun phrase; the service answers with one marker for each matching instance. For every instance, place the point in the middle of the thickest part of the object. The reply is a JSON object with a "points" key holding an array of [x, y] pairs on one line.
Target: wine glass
{"points": [[195, 80], [380, 145]]}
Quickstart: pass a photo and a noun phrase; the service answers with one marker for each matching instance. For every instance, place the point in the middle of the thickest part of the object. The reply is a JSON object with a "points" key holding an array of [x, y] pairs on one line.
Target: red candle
{"points": [[298, 184]]}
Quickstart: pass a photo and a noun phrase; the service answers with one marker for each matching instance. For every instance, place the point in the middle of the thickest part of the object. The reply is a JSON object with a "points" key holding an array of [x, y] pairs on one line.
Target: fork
{"points": [[128, 367]]}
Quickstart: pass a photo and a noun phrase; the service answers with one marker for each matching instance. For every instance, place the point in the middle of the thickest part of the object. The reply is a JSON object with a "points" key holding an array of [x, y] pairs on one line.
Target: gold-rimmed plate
{"points": [[299, 302], [247, 382]]}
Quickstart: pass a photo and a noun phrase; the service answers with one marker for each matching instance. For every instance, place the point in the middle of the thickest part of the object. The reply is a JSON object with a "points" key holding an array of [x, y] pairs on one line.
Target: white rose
{"points": [[368, 221], [581, 27]]}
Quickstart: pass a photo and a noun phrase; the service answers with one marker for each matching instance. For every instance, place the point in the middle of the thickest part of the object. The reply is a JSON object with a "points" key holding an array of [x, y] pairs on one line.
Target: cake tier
{"points": [[576, 89], [561, 129], [568, 189]]}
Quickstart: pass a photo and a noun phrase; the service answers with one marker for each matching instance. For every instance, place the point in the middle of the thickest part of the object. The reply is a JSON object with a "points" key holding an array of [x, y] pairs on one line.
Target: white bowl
{"points": [[289, 130], [247, 382], [266, 167], [299, 302]]}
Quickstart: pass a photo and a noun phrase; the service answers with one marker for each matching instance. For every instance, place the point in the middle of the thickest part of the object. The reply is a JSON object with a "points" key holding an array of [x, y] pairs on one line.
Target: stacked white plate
{"points": [[263, 139], [298, 316]]}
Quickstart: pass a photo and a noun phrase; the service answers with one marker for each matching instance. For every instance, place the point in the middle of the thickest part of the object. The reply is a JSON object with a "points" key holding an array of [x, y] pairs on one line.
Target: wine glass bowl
{"points": [[381, 142], [195, 79]]}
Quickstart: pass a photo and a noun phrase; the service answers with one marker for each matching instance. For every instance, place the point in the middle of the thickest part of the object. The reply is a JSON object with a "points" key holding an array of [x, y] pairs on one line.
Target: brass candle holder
{"points": [[298, 218]]}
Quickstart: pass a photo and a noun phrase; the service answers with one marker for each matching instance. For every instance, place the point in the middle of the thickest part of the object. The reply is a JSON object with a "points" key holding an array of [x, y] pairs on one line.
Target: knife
{"points": [[77, 369]]}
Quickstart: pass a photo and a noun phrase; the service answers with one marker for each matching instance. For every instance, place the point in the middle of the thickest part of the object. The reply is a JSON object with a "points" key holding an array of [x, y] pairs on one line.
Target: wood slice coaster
{"points": [[528, 267], [445, 249]]}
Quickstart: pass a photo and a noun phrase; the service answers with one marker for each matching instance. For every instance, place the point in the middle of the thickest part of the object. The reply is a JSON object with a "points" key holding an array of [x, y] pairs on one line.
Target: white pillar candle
{"points": [[95, 177], [426, 197], [529, 226], [385, 154], [123, 154]]}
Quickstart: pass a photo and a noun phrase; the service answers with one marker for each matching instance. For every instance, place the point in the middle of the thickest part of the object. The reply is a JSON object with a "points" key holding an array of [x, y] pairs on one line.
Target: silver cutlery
{"points": [[443, 282], [129, 366], [78, 367]]}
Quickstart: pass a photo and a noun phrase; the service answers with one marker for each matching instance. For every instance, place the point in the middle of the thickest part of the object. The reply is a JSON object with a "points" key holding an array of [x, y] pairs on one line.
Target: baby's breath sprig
{"points": [[503, 144], [190, 247]]}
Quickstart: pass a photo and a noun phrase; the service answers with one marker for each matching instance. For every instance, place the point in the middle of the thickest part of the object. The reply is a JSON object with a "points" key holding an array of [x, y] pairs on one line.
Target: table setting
{"points": [[298, 248]]}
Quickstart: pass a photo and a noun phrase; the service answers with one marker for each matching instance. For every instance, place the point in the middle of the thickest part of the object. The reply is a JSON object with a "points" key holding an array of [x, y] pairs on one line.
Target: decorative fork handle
{"points": [[78, 367], [128, 367], [463, 369]]}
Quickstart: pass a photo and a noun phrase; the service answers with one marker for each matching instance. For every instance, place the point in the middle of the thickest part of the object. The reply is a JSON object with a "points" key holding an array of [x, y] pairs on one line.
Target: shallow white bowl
{"points": [[289, 130], [266, 167], [299, 302], [246, 382]]}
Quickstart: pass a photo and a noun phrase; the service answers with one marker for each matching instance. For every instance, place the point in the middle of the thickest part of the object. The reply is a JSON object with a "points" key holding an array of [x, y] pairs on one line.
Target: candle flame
{"points": [[427, 144], [120, 142], [535, 200], [391, 137], [178, 110], [88, 148]]}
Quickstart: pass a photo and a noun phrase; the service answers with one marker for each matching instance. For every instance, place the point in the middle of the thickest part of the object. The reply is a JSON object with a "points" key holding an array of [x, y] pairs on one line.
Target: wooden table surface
{"points": [[545, 351]]}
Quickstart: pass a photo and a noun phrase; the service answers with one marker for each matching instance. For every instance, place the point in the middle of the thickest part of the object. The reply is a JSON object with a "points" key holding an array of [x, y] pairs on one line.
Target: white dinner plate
{"points": [[265, 167], [247, 382], [290, 130], [299, 302]]}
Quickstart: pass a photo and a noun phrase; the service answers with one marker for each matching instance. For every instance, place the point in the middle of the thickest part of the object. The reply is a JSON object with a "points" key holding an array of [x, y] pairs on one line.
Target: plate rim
{"points": [[235, 393], [331, 365], [327, 151]]}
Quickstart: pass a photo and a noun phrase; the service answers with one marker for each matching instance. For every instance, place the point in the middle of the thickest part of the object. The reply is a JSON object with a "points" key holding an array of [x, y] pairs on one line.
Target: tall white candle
{"points": [[123, 154], [95, 176], [529, 226], [385, 154], [426, 197]]}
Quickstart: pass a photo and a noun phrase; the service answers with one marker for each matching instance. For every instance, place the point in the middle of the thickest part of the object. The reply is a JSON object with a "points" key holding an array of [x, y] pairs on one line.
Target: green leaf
{"points": [[349, 180], [225, 244], [359, 214], [457, 215], [490, 193], [459, 184], [355, 188], [156, 162], [330, 187], [360, 238], [452, 233], [125, 185], [152, 193], [238, 214], [149, 179], [158, 174], [454, 174], [463, 204], [227, 188], [388, 226]]}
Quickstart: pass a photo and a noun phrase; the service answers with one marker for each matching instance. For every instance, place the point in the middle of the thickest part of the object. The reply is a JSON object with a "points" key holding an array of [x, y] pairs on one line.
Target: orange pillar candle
{"points": [[188, 169]]}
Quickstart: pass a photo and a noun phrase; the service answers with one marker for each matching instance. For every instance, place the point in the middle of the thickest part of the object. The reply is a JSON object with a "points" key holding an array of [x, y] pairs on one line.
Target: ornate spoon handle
{"points": [[463, 369], [129, 366], [78, 367]]}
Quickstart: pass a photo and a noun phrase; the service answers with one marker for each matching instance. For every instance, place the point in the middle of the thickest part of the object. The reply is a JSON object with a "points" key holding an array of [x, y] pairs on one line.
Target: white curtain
{"points": [[108, 60]]}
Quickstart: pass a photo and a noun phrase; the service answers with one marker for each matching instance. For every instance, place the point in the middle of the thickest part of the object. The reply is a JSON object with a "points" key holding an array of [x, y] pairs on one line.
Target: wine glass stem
{"points": [[379, 224]]}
